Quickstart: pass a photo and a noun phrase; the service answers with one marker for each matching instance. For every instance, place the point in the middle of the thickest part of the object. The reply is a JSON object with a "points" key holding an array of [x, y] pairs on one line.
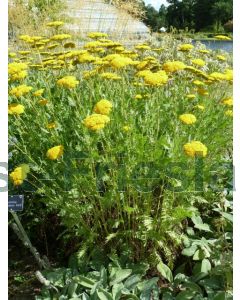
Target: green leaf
{"points": [[204, 227], [146, 295], [104, 295], [167, 296], [72, 288], [130, 296], [165, 271], [189, 251], [179, 278], [186, 295], [132, 281], [206, 266], [95, 287], [198, 223], [118, 275], [192, 286], [227, 216], [220, 296], [103, 276], [199, 255], [56, 277], [147, 284], [84, 281], [117, 290]]}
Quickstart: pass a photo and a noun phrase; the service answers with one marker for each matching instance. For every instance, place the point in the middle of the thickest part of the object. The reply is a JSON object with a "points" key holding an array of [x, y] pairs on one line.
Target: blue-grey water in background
{"points": [[217, 44]]}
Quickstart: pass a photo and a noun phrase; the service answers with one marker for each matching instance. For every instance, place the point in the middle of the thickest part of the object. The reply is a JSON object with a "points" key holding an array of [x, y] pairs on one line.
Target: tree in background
{"points": [[195, 14]]}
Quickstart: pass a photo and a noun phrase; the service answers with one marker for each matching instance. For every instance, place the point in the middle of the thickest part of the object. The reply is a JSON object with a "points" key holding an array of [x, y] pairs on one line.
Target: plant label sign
{"points": [[15, 202]]}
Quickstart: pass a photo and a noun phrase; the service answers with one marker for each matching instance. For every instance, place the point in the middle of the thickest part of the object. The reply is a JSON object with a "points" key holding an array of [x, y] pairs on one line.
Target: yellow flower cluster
{"points": [[191, 96], [61, 37], [223, 37], [17, 71], [96, 122], [38, 93], [126, 128], [55, 152], [198, 82], [103, 107], [185, 47], [111, 76], [86, 58], [51, 125], [156, 79], [187, 119], [221, 57], [199, 62], [138, 97], [15, 109], [95, 35], [20, 90], [173, 66], [204, 51], [195, 148], [229, 113], [68, 82], [19, 174], [142, 47], [121, 62], [228, 101], [200, 107], [55, 24], [217, 76]]}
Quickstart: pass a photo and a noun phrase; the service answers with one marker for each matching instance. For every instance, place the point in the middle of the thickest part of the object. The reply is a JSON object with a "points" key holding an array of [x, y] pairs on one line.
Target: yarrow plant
{"points": [[111, 138]]}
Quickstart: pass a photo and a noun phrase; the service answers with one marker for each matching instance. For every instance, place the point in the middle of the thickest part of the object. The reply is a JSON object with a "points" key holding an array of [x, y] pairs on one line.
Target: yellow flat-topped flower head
{"points": [[86, 58], [55, 24], [103, 107], [191, 96], [228, 101], [222, 37], [142, 47], [51, 125], [204, 51], [173, 66], [229, 113], [121, 62], [111, 76], [19, 174], [156, 79], [43, 102], [96, 122], [96, 35], [15, 109], [60, 37], [68, 82], [138, 97], [198, 82], [217, 76], [38, 93], [200, 107], [55, 152], [126, 128], [195, 148], [20, 90], [188, 119], [17, 71], [186, 47], [221, 57], [198, 62]]}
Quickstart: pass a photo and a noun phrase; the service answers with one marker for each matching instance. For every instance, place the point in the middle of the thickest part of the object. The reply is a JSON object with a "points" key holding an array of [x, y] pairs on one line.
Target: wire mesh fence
{"points": [[96, 15]]}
